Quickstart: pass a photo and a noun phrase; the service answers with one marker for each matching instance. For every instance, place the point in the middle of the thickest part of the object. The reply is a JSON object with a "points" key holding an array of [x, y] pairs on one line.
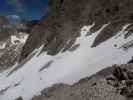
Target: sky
{"points": [[24, 9]]}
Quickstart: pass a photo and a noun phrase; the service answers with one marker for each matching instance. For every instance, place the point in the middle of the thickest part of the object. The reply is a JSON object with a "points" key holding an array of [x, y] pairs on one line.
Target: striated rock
{"points": [[10, 55]]}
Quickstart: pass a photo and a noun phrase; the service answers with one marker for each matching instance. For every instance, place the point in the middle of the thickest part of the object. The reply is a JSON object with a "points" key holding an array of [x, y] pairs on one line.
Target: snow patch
{"points": [[22, 37]]}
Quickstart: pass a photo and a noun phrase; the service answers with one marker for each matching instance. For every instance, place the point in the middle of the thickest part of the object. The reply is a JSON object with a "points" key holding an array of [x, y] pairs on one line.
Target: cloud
{"points": [[13, 17]]}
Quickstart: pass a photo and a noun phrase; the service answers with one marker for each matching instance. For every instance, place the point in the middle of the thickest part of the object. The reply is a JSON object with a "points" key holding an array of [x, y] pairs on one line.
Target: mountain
{"points": [[26, 26], [10, 50], [11, 43], [76, 39], [6, 29]]}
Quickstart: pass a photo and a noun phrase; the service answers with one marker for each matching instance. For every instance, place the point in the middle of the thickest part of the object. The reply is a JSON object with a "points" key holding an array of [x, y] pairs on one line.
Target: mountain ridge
{"points": [[65, 18]]}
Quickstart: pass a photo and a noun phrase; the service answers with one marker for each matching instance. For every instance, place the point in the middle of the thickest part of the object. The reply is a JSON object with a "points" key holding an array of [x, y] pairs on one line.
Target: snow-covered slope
{"points": [[42, 71]]}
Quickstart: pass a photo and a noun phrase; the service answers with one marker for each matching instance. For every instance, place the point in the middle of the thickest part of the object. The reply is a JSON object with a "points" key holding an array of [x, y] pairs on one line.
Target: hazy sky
{"points": [[28, 9]]}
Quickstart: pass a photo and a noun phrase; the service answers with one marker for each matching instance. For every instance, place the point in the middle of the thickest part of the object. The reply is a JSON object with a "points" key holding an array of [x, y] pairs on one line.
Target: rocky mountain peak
{"points": [[65, 18]]}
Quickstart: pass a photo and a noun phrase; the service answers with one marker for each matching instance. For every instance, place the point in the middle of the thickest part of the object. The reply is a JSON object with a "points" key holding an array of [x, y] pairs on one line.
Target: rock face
{"points": [[6, 29], [95, 87], [9, 52], [10, 55], [65, 18]]}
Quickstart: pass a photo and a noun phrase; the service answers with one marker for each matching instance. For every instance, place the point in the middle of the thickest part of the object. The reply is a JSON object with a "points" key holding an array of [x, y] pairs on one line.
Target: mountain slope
{"points": [[72, 43]]}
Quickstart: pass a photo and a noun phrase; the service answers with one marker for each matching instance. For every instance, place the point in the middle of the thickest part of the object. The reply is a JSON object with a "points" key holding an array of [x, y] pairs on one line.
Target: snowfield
{"points": [[69, 67]]}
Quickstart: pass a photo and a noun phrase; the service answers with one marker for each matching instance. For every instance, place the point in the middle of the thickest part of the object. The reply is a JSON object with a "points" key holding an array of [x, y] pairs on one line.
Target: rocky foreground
{"points": [[96, 87]]}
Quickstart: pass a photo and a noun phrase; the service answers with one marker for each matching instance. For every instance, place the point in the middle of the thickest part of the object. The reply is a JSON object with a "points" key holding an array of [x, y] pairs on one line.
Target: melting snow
{"points": [[68, 67], [21, 38]]}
